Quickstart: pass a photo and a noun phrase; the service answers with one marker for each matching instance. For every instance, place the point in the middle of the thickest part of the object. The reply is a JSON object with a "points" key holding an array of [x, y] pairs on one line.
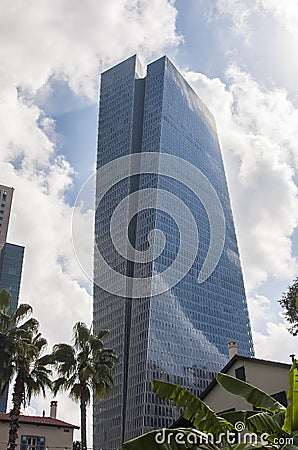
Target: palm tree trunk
{"points": [[83, 421], [17, 399], [1, 363], [3, 385]]}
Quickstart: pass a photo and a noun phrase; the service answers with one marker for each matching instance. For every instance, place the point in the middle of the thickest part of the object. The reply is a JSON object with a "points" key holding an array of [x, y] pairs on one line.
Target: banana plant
{"points": [[291, 417], [277, 423], [209, 432], [195, 410]]}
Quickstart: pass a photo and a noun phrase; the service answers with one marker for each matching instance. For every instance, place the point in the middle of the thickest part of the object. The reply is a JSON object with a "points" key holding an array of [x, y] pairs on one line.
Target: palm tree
{"points": [[84, 367], [13, 326], [32, 375]]}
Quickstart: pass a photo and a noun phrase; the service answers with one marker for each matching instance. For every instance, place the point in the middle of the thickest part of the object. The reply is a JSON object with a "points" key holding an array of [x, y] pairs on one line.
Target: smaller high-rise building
{"points": [[6, 195], [11, 261]]}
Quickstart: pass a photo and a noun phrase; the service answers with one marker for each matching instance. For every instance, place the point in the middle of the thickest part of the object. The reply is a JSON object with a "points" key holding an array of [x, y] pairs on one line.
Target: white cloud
{"points": [[261, 35], [241, 13], [261, 311], [285, 12], [29, 410], [272, 339], [73, 40], [257, 129], [276, 343], [238, 11]]}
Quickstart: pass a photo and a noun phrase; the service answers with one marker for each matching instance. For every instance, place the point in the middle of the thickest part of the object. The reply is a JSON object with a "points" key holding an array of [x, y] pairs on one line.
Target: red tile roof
{"points": [[38, 420]]}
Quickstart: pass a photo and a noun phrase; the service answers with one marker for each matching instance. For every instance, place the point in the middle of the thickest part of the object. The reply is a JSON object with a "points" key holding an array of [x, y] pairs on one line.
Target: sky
{"points": [[240, 57]]}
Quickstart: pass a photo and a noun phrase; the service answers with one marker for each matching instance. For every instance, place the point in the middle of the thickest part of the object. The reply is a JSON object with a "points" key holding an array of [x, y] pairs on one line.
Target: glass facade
{"points": [[11, 262], [180, 335]]}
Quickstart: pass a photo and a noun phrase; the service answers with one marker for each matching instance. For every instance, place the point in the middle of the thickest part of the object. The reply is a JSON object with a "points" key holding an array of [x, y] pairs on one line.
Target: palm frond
{"points": [[23, 311], [75, 392], [81, 335], [102, 334], [63, 357], [31, 325]]}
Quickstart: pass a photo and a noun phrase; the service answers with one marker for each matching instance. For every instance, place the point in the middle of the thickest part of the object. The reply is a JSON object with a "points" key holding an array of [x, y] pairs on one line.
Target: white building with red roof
{"points": [[39, 432]]}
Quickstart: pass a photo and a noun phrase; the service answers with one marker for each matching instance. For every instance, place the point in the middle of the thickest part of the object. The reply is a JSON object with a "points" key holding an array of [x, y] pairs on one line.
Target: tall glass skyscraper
{"points": [[162, 202], [11, 261]]}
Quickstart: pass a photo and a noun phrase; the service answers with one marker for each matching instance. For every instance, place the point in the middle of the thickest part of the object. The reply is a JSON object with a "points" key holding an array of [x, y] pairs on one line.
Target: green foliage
{"points": [[291, 418], [268, 424], [84, 367], [263, 422], [289, 303], [15, 328], [30, 368], [31, 365]]}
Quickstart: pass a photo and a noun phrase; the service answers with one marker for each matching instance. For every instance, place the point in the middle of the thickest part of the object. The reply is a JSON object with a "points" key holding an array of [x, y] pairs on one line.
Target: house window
{"points": [[281, 397], [33, 442], [240, 373]]}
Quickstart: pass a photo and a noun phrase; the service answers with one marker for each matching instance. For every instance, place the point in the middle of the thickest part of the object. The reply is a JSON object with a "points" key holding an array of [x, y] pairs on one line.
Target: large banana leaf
{"points": [[264, 422], [291, 419], [194, 409], [250, 393]]}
